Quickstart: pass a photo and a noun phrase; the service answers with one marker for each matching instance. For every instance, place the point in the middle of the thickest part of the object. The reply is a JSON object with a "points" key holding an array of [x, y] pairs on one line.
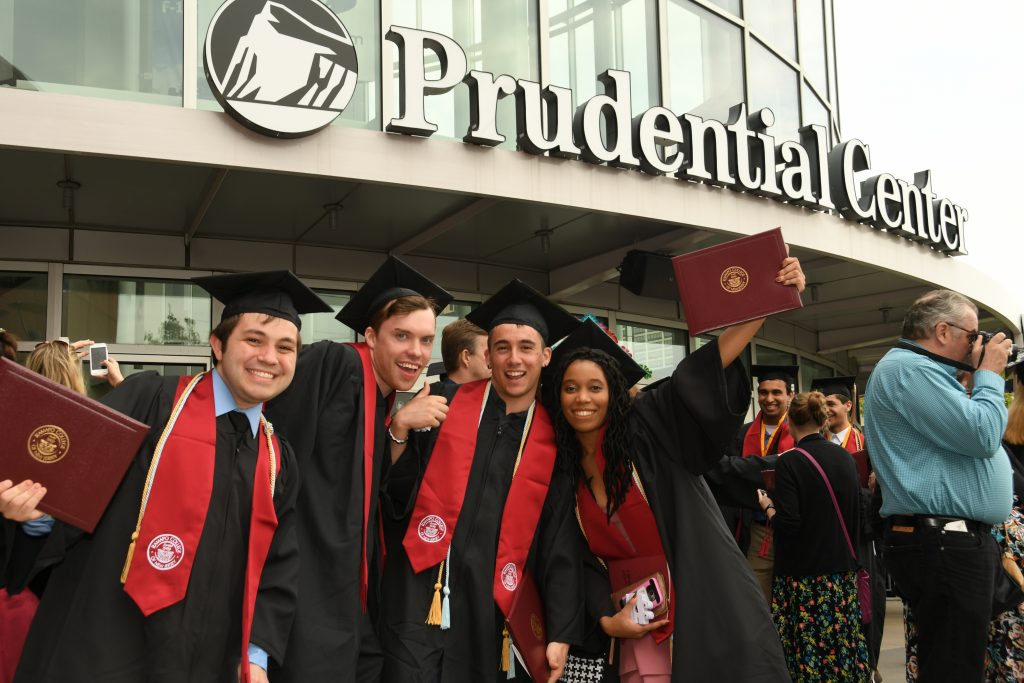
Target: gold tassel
{"points": [[504, 648], [128, 560], [434, 615]]}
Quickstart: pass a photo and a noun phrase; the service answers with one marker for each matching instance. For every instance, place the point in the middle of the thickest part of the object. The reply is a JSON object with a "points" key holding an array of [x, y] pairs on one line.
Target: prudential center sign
{"points": [[287, 68]]}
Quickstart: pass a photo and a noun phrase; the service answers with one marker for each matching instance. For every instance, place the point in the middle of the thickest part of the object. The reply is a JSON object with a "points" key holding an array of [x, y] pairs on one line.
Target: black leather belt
{"points": [[914, 522]]}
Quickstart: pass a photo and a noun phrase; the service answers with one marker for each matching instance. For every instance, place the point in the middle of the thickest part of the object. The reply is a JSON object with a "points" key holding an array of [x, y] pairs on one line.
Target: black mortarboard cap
{"points": [[787, 373], [843, 386], [393, 280], [274, 292], [521, 304], [591, 335]]}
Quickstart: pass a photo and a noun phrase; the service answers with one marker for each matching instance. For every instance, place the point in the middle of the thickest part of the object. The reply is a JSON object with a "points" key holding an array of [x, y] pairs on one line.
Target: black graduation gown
{"points": [[679, 428], [734, 481], [88, 629], [470, 650], [322, 412]]}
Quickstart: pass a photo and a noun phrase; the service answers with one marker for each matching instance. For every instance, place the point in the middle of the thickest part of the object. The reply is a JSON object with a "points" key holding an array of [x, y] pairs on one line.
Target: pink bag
{"points": [[863, 577]]}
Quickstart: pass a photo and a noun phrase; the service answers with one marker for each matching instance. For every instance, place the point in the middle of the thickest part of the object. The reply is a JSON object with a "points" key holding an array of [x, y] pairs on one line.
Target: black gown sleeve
{"points": [[277, 598], [559, 567], [734, 480], [697, 413]]}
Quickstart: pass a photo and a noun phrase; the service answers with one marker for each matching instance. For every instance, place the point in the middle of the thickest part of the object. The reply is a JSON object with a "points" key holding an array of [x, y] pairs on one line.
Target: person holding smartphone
{"points": [[640, 498]]}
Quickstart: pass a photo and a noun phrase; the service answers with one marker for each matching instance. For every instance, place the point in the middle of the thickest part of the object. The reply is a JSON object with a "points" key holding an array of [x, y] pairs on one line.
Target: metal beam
{"points": [[580, 276], [444, 225], [844, 339], [857, 303], [212, 187]]}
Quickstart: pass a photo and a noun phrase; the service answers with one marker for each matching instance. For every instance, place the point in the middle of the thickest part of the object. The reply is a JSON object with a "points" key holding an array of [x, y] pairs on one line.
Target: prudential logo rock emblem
{"points": [[284, 68]]}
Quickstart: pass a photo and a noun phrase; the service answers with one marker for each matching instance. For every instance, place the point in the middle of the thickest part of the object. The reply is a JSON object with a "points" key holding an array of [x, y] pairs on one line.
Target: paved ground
{"points": [[892, 660]]}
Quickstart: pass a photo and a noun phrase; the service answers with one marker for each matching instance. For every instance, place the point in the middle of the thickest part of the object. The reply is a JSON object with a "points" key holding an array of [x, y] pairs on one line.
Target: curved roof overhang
{"points": [[466, 203]]}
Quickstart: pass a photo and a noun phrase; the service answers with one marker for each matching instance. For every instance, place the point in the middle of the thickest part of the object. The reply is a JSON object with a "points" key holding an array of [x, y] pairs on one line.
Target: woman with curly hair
{"points": [[646, 513]]}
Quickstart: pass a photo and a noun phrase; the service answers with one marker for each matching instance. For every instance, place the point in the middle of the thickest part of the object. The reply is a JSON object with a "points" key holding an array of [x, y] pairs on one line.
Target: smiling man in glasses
{"points": [[945, 479]]}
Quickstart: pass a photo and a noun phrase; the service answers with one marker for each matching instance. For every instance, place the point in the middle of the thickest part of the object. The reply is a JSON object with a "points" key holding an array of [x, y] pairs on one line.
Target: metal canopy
{"points": [[848, 306]]}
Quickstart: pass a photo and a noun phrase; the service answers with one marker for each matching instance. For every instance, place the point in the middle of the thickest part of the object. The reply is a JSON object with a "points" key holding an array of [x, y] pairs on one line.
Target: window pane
{"points": [[118, 311], [590, 36], [23, 305], [319, 326], [814, 110], [497, 37], [705, 62], [119, 49], [774, 85], [362, 19], [772, 20], [660, 349], [811, 20], [729, 6], [810, 371], [98, 387]]}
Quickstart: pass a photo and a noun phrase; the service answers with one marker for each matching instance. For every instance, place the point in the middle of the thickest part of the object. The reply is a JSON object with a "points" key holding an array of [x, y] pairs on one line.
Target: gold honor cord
{"points": [[765, 446], [268, 430]]}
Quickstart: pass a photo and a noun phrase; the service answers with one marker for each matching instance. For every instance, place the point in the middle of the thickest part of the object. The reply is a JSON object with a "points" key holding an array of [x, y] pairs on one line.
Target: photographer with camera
{"points": [[944, 476]]}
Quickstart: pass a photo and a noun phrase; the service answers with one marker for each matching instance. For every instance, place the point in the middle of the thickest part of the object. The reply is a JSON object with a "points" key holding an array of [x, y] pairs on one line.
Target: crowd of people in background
{"points": [[665, 538]]}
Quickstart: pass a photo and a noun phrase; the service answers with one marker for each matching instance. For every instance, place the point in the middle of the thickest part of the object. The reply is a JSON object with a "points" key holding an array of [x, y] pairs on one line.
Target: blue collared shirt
{"points": [[224, 402], [936, 450]]}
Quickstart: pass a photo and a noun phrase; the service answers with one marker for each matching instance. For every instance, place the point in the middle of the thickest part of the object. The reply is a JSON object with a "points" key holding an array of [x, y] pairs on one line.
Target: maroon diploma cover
{"points": [[76, 447], [734, 282], [526, 624]]}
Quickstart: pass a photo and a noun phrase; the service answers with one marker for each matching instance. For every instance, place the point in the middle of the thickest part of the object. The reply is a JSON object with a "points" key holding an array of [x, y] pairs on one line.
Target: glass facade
{"points": [[588, 37], [319, 326], [705, 62], [118, 49], [98, 387], [134, 50], [129, 311], [497, 37], [659, 349], [23, 305]]}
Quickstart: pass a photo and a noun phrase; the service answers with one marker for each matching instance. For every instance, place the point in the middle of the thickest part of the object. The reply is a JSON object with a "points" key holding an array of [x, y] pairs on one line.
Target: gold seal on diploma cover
{"points": [[48, 444], [734, 279]]}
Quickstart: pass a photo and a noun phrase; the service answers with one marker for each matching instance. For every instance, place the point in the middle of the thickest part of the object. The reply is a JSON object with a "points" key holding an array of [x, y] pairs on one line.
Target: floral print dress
{"points": [[818, 618]]}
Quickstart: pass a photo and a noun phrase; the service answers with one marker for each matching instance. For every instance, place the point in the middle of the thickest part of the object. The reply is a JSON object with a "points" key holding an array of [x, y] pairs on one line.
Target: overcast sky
{"points": [[940, 85]]}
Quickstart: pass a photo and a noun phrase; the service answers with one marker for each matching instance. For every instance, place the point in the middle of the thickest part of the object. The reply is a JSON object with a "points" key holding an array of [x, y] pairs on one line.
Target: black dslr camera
{"points": [[1016, 356]]}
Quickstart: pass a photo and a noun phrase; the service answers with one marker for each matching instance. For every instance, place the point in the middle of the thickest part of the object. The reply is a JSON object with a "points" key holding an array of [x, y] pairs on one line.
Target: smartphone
{"points": [[97, 354], [651, 589]]}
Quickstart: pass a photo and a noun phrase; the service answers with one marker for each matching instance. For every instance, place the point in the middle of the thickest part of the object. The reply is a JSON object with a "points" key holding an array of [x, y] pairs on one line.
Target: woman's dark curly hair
{"points": [[618, 470]]}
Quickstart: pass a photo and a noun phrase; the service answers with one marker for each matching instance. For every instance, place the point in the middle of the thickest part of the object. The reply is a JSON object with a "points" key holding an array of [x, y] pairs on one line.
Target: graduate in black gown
{"points": [[641, 499], [208, 590], [335, 412], [473, 505]]}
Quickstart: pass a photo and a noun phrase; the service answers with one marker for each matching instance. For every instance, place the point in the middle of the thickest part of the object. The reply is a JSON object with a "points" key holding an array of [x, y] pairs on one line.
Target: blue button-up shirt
{"points": [[935, 450]]}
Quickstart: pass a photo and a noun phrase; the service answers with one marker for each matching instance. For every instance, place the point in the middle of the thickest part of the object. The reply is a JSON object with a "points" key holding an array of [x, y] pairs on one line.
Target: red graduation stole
{"points": [[854, 440], [369, 429], [754, 442], [443, 490], [637, 521], [175, 500]]}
